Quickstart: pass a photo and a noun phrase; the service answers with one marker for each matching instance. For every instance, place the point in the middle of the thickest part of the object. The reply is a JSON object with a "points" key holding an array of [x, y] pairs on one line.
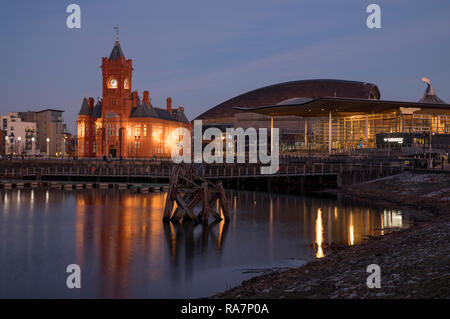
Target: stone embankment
{"points": [[414, 262]]}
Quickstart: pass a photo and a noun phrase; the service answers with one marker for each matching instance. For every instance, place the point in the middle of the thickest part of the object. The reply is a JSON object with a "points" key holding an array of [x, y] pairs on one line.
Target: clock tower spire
{"points": [[117, 72]]}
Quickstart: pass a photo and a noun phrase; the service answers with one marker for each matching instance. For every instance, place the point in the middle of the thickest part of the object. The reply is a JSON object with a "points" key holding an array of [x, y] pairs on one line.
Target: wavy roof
{"points": [[274, 94]]}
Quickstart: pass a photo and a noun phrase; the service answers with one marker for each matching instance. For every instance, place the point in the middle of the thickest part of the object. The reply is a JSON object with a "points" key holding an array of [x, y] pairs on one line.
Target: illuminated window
{"points": [[145, 130], [138, 130]]}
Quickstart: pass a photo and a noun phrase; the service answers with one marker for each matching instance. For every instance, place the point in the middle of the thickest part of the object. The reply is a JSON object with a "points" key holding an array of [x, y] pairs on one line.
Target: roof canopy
{"points": [[321, 107]]}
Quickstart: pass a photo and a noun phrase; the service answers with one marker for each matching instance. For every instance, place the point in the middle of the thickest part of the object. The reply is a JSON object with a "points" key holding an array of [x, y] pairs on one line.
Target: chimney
{"points": [[135, 98], [91, 103], [180, 108], [147, 97], [169, 104]]}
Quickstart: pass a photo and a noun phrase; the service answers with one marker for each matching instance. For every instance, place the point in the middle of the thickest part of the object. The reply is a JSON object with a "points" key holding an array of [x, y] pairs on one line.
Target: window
{"points": [[130, 148], [145, 130], [81, 147], [94, 147], [138, 130], [117, 129]]}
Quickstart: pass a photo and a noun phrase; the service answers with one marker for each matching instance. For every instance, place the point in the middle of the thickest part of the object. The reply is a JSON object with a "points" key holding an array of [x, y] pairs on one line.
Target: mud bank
{"points": [[414, 262]]}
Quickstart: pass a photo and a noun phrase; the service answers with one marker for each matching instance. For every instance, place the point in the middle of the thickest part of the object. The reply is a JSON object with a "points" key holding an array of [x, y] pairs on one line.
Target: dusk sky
{"points": [[202, 53]]}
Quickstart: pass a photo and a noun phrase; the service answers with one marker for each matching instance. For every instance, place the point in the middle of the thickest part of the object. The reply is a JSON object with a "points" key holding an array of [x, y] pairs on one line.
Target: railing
{"points": [[210, 172]]}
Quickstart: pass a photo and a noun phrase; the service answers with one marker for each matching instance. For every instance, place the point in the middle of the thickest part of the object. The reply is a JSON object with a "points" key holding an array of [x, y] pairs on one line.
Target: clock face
{"points": [[113, 83]]}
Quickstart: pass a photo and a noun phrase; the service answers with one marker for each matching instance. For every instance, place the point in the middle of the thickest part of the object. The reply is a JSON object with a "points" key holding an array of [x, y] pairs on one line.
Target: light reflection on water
{"points": [[125, 250]]}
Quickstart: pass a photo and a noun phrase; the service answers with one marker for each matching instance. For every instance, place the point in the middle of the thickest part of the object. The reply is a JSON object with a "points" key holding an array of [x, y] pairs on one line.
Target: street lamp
{"points": [[33, 146], [48, 147], [19, 139], [63, 148]]}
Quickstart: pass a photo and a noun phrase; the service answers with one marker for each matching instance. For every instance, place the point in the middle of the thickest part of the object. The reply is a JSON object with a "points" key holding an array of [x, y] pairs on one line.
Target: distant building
{"points": [[52, 128], [293, 130], [20, 136], [49, 126], [344, 122], [121, 124], [2, 143], [335, 114]]}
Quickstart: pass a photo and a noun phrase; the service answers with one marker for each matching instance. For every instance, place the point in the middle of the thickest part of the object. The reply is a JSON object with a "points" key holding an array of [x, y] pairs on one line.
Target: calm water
{"points": [[124, 250]]}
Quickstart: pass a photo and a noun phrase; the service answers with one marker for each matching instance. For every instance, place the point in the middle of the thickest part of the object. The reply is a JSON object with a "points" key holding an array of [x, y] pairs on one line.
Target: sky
{"points": [[203, 52]]}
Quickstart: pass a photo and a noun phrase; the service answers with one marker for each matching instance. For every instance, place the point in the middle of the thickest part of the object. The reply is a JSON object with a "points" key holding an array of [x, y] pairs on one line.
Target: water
{"points": [[125, 251]]}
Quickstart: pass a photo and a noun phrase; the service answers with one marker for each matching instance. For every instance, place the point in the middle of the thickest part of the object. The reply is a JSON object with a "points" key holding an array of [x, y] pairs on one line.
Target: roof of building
{"points": [[97, 111], [84, 108], [430, 94], [322, 107], [273, 94], [143, 110], [116, 52], [52, 110]]}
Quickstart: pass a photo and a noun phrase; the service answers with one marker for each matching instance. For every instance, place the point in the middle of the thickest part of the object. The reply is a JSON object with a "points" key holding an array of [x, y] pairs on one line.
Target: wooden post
{"points": [[223, 200], [171, 194], [205, 203]]}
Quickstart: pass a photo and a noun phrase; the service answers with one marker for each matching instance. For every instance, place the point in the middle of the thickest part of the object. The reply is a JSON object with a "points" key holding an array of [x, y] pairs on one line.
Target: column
{"points": [[367, 130], [306, 132], [329, 133], [271, 134]]}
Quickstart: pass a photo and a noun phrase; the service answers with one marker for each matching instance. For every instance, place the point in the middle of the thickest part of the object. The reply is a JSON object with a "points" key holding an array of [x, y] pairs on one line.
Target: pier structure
{"points": [[301, 177]]}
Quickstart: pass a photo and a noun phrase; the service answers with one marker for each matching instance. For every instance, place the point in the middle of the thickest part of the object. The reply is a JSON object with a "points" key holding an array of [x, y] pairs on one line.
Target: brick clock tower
{"points": [[116, 101], [121, 124]]}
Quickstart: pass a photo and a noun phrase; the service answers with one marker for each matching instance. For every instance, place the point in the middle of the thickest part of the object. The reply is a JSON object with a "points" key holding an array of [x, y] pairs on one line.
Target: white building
{"points": [[20, 136]]}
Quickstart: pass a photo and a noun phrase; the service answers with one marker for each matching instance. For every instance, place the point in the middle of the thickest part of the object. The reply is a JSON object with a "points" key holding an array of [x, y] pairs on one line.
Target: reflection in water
{"points": [[125, 250], [319, 234], [351, 231]]}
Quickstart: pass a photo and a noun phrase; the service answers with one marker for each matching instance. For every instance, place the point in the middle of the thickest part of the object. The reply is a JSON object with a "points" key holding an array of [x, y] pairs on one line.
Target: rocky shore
{"points": [[414, 262]]}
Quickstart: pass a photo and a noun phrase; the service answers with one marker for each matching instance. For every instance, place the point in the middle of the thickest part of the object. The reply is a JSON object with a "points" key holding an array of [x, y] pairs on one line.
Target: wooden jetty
{"points": [[188, 189]]}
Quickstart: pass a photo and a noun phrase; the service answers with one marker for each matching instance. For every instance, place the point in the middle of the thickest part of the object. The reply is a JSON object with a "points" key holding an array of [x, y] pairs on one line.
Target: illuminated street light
{"points": [[48, 147]]}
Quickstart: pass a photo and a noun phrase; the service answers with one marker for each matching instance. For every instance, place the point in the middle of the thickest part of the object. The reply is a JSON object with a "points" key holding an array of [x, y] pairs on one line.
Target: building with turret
{"points": [[123, 124]]}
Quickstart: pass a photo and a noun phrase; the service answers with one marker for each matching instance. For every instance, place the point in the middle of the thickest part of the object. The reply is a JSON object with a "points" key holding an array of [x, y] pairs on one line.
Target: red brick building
{"points": [[120, 124]]}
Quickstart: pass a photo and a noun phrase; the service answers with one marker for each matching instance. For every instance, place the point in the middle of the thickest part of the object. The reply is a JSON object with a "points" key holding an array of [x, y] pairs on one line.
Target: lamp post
{"points": [[33, 146], [63, 147], [19, 151], [48, 147], [431, 159]]}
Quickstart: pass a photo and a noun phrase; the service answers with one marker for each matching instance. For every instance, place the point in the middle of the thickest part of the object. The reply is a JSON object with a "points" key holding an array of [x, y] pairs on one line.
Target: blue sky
{"points": [[204, 52]]}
